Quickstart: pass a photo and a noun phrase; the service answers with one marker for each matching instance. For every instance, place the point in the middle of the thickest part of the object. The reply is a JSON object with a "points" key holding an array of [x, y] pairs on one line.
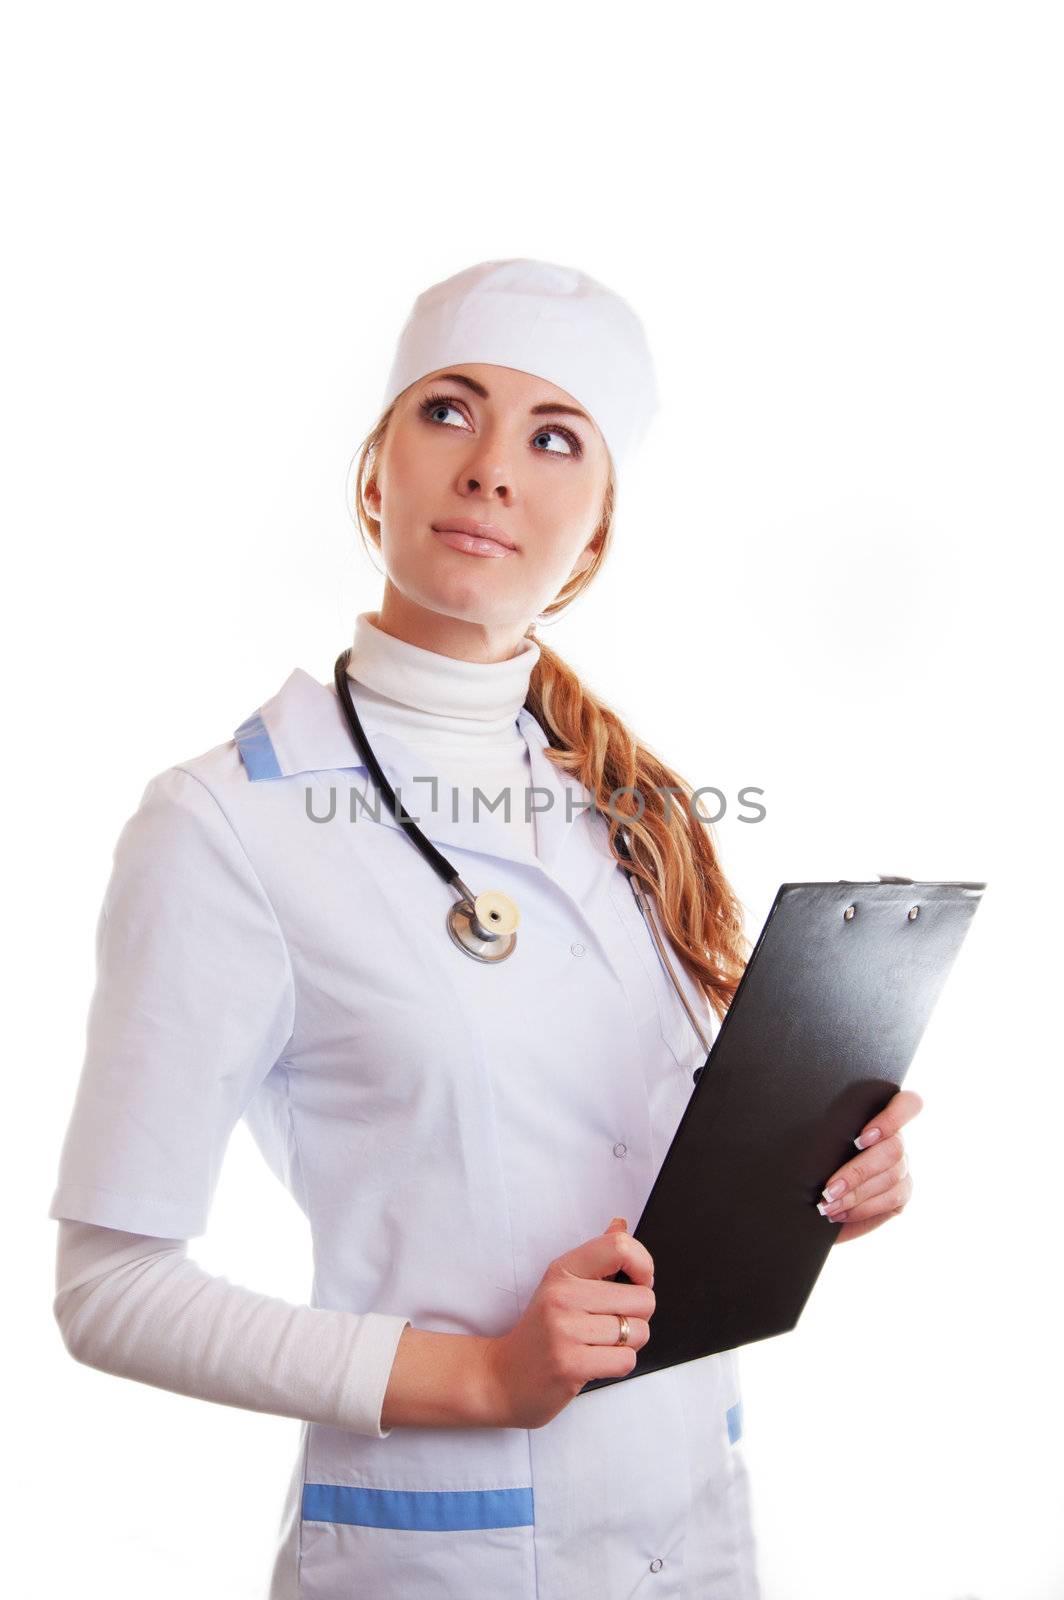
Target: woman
{"points": [[273, 945]]}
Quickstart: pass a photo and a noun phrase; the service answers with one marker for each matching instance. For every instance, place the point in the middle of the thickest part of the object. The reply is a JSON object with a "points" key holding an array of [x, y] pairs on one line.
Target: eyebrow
{"points": [[548, 408]]}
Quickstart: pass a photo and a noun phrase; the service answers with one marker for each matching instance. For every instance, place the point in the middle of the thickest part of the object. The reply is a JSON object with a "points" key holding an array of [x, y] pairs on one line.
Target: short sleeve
{"points": [[192, 1007]]}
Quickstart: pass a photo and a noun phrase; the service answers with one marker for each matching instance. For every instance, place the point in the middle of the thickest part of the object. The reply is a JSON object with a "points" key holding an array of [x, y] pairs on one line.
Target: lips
{"points": [[473, 537]]}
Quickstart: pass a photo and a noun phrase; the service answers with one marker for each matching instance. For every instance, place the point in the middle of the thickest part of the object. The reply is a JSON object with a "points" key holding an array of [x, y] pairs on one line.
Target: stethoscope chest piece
{"points": [[484, 927]]}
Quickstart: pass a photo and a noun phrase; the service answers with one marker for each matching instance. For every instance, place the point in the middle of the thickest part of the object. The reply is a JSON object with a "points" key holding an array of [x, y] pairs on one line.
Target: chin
{"points": [[464, 599]]}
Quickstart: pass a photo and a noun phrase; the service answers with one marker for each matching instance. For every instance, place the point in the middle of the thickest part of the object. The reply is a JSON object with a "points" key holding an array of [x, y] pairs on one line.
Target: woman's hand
{"points": [[569, 1332], [875, 1185]]}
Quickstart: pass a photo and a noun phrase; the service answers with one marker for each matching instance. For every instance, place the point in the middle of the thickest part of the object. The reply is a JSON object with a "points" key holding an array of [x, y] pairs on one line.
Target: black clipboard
{"points": [[825, 1022]]}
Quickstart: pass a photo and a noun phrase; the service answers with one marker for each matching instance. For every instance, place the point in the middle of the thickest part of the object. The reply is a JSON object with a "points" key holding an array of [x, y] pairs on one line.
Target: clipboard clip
{"points": [[884, 877]]}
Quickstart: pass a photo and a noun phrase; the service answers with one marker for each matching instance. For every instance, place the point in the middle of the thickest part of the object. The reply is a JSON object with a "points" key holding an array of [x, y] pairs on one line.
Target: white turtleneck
{"points": [[460, 716], [138, 1306]]}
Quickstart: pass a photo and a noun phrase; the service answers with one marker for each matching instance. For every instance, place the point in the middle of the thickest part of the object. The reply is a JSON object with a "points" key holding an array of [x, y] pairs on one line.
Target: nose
{"points": [[487, 472], [494, 484]]}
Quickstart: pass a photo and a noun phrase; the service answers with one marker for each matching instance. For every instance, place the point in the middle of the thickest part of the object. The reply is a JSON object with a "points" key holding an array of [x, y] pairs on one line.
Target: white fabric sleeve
{"points": [[193, 1007], [137, 1306]]}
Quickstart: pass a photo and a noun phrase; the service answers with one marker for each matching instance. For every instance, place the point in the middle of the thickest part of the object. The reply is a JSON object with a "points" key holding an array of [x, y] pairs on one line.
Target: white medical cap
{"points": [[552, 321]]}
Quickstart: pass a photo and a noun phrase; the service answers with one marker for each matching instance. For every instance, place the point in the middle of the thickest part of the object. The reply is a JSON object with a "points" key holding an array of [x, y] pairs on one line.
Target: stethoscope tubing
{"points": [[446, 870], [435, 858]]}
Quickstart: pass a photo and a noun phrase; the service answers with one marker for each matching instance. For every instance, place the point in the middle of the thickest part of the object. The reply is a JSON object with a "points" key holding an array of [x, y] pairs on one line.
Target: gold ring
{"points": [[623, 1336]]}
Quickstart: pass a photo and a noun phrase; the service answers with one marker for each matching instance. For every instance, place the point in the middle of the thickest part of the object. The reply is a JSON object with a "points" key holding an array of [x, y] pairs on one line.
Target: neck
{"points": [[487, 642]]}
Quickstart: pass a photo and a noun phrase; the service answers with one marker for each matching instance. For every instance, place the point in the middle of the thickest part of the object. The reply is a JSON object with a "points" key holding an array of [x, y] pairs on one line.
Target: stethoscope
{"points": [[484, 926]]}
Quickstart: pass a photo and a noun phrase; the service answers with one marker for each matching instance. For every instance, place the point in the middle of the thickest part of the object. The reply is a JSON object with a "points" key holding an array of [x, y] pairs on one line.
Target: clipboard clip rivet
{"points": [[848, 913], [914, 912]]}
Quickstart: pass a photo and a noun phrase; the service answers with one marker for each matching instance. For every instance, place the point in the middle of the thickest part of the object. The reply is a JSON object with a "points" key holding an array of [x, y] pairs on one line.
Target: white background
{"points": [[835, 577]]}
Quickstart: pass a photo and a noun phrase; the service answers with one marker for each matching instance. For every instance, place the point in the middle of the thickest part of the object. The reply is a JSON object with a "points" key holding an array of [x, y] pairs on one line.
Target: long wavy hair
{"points": [[673, 854]]}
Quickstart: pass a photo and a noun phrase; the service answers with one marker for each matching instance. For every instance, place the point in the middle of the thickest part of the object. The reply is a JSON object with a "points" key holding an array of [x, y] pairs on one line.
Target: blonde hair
{"points": [[673, 854]]}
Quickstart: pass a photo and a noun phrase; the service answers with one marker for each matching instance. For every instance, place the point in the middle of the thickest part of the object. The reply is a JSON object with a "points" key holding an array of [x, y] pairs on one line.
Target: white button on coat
{"points": [[446, 1126]]}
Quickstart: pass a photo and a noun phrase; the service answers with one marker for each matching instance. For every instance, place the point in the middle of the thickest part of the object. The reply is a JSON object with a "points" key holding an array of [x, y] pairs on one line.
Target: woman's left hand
{"points": [[875, 1185]]}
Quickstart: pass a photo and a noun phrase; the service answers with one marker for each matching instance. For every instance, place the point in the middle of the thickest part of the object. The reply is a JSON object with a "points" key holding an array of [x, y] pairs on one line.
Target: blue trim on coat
{"points": [[256, 749], [734, 1415], [429, 1510]]}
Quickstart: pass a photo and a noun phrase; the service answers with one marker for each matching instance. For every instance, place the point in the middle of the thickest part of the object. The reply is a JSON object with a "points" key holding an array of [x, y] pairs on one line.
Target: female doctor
{"points": [[458, 1045]]}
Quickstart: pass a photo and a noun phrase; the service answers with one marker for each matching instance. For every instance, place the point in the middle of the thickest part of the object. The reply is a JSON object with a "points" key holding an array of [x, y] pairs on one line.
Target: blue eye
{"points": [[445, 402], [563, 433], [436, 402]]}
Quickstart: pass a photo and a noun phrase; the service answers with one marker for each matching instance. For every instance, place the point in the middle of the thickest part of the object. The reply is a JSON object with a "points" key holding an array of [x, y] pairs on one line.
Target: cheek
{"points": [[581, 513], [547, 565], [407, 470], [565, 535], [566, 554]]}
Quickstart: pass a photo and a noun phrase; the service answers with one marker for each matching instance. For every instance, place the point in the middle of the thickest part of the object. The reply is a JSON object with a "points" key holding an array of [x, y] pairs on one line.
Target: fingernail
{"points": [[833, 1190], [863, 1140]]}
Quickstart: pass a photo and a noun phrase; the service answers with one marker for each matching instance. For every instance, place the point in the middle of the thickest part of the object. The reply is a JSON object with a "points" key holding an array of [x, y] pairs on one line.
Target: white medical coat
{"points": [[449, 1127]]}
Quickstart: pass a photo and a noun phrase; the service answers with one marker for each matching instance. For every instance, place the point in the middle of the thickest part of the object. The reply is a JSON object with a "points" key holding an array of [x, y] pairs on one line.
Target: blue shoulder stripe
{"points": [[256, 749]]}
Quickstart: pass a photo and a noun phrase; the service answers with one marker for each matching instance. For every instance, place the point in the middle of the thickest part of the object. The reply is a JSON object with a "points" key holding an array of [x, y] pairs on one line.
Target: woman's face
{"points": [[489, 445]]}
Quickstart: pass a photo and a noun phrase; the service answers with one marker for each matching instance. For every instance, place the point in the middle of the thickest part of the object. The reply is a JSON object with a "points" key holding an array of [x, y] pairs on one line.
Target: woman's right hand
{"points": [[569, 1332]]}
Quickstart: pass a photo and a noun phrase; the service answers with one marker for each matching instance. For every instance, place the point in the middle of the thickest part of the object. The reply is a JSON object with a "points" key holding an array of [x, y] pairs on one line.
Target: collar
{"points": [[487, 695], [302, 730]]}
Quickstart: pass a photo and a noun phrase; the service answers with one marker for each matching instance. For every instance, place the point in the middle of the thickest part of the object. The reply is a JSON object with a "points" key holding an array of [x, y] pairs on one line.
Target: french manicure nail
{"points": [[833, 1190], [863, 1140]]}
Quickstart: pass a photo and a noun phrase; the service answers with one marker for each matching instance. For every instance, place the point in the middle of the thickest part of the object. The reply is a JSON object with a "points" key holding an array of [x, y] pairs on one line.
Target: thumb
{"points": [[618, 1225]]}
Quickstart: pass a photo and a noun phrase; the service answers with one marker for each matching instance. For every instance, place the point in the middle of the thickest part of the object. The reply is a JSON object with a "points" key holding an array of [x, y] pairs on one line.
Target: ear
{"points": [[587, 556], [371, 495]]}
